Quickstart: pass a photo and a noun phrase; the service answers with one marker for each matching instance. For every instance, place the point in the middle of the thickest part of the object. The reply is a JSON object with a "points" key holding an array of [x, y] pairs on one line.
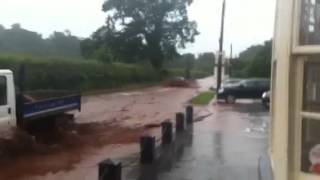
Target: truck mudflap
{"points": [[50, 107]]}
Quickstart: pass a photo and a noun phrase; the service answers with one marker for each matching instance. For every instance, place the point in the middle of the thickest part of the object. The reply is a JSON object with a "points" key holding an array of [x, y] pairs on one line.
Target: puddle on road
{"points": [[132, 94]]}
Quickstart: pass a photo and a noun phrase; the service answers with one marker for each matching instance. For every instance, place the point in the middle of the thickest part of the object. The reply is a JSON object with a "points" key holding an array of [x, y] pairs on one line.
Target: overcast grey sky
{"points": [[247, 21]]}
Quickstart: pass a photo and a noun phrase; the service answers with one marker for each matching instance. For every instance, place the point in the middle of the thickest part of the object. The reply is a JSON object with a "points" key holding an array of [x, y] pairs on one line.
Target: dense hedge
{"points": [[195, 74], [82, 75], [78, 75]]}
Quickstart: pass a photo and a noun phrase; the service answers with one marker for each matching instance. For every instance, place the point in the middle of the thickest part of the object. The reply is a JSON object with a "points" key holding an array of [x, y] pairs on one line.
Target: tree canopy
{"points": [[189, 62], [205, 62], [18, 40], [253, 62], [139, 30]]}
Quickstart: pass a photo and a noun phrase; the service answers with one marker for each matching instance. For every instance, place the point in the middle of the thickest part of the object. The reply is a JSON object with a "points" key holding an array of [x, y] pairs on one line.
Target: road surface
{"points": [[223, 146], [109, 126]]}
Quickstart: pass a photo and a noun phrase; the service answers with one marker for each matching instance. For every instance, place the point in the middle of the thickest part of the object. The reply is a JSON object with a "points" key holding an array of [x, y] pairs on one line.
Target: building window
{"points": [[310, 151], [312, 87], [3, 91], [310, 22], [310, 146]]}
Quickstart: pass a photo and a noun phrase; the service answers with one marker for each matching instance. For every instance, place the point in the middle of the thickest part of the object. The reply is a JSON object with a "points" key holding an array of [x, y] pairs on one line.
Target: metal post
{"points": [[166, 132], [110, 170], [147, 149], [189, 114], [180, 122]]}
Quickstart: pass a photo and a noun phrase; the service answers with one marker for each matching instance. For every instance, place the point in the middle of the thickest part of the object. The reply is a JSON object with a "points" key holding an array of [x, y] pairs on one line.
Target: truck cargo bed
{"points": [[52, 106]]}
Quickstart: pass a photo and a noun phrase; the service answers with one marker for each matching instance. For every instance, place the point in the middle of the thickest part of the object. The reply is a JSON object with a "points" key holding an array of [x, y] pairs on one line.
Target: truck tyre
{"points": [[230, 99]]}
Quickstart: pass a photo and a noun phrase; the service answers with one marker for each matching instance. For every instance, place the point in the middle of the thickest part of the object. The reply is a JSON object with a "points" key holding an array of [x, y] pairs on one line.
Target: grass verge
{"points": [[203, 98]]}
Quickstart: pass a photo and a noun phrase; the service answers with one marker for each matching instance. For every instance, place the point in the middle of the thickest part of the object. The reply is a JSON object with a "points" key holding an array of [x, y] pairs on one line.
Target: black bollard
{"points": [[147, 149], [166, 132], [110, 170], [180, 122], [189, 114]]}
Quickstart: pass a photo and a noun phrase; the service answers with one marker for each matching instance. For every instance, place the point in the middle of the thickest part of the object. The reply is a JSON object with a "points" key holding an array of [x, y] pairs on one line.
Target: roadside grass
{"points": [[203, 98]]}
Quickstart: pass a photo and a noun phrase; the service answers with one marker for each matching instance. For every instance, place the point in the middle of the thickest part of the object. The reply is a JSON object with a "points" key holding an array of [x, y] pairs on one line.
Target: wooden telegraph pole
{"points": [[231, 51], [230, 60], [221, 47]]}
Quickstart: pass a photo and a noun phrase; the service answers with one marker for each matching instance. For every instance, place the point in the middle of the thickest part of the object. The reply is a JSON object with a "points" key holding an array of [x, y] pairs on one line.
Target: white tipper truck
{"points": [[16, 110]]}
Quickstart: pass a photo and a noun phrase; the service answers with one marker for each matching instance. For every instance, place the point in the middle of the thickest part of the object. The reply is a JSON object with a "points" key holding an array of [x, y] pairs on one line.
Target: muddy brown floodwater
{"points": [[135, 109], [109, 126]]}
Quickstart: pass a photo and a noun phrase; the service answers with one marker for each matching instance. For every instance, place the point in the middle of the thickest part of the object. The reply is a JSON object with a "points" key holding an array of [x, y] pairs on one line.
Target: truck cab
{"points": [[7, 101]]}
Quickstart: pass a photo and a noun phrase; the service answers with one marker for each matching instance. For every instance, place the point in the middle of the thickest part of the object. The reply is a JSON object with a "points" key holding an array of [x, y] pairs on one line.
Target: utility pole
{"points": [[221, 47], [229, 64], [231, 51]]}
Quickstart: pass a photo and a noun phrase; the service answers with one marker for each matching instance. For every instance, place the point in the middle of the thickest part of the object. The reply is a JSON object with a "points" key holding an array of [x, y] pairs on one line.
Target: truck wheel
{"points": [[231, 99]]}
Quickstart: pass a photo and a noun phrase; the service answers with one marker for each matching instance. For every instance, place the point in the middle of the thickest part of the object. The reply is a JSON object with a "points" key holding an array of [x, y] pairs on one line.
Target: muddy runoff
{"points": [[109, 126], [59, 148]]}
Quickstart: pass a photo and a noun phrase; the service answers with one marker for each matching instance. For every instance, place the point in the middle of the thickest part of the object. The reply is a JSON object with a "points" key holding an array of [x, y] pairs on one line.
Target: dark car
{"points": [[245, 89], [230, 82]]}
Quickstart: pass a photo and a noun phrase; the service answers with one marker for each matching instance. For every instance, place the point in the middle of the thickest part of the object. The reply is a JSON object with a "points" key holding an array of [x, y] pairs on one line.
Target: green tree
{"points": [[152, 30], [205, 62], [2, 28], [64, 44], [189, 60], [253, 62], [260, 66], [18, 40]]}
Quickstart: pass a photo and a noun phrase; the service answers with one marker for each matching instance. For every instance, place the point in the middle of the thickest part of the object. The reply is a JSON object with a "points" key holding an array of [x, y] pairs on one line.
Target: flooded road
{"points": [[109, 126], [135, 109], [222, 146]]}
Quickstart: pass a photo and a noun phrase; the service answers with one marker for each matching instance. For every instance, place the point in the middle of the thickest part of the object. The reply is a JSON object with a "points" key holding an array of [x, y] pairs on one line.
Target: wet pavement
{"points": [[225, 146]]}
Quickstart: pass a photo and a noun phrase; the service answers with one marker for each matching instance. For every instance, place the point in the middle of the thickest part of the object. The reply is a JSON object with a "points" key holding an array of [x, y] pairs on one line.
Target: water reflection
{"points": [[168, 156], [218, 139]]}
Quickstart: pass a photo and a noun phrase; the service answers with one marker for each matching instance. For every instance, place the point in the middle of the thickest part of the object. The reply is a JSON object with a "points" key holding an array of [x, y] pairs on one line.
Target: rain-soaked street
{"points": [[226, 145]]}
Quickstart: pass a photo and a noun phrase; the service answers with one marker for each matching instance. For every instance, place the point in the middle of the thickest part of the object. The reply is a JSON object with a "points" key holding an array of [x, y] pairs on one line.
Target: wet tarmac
{"points": [[225, 146]]}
